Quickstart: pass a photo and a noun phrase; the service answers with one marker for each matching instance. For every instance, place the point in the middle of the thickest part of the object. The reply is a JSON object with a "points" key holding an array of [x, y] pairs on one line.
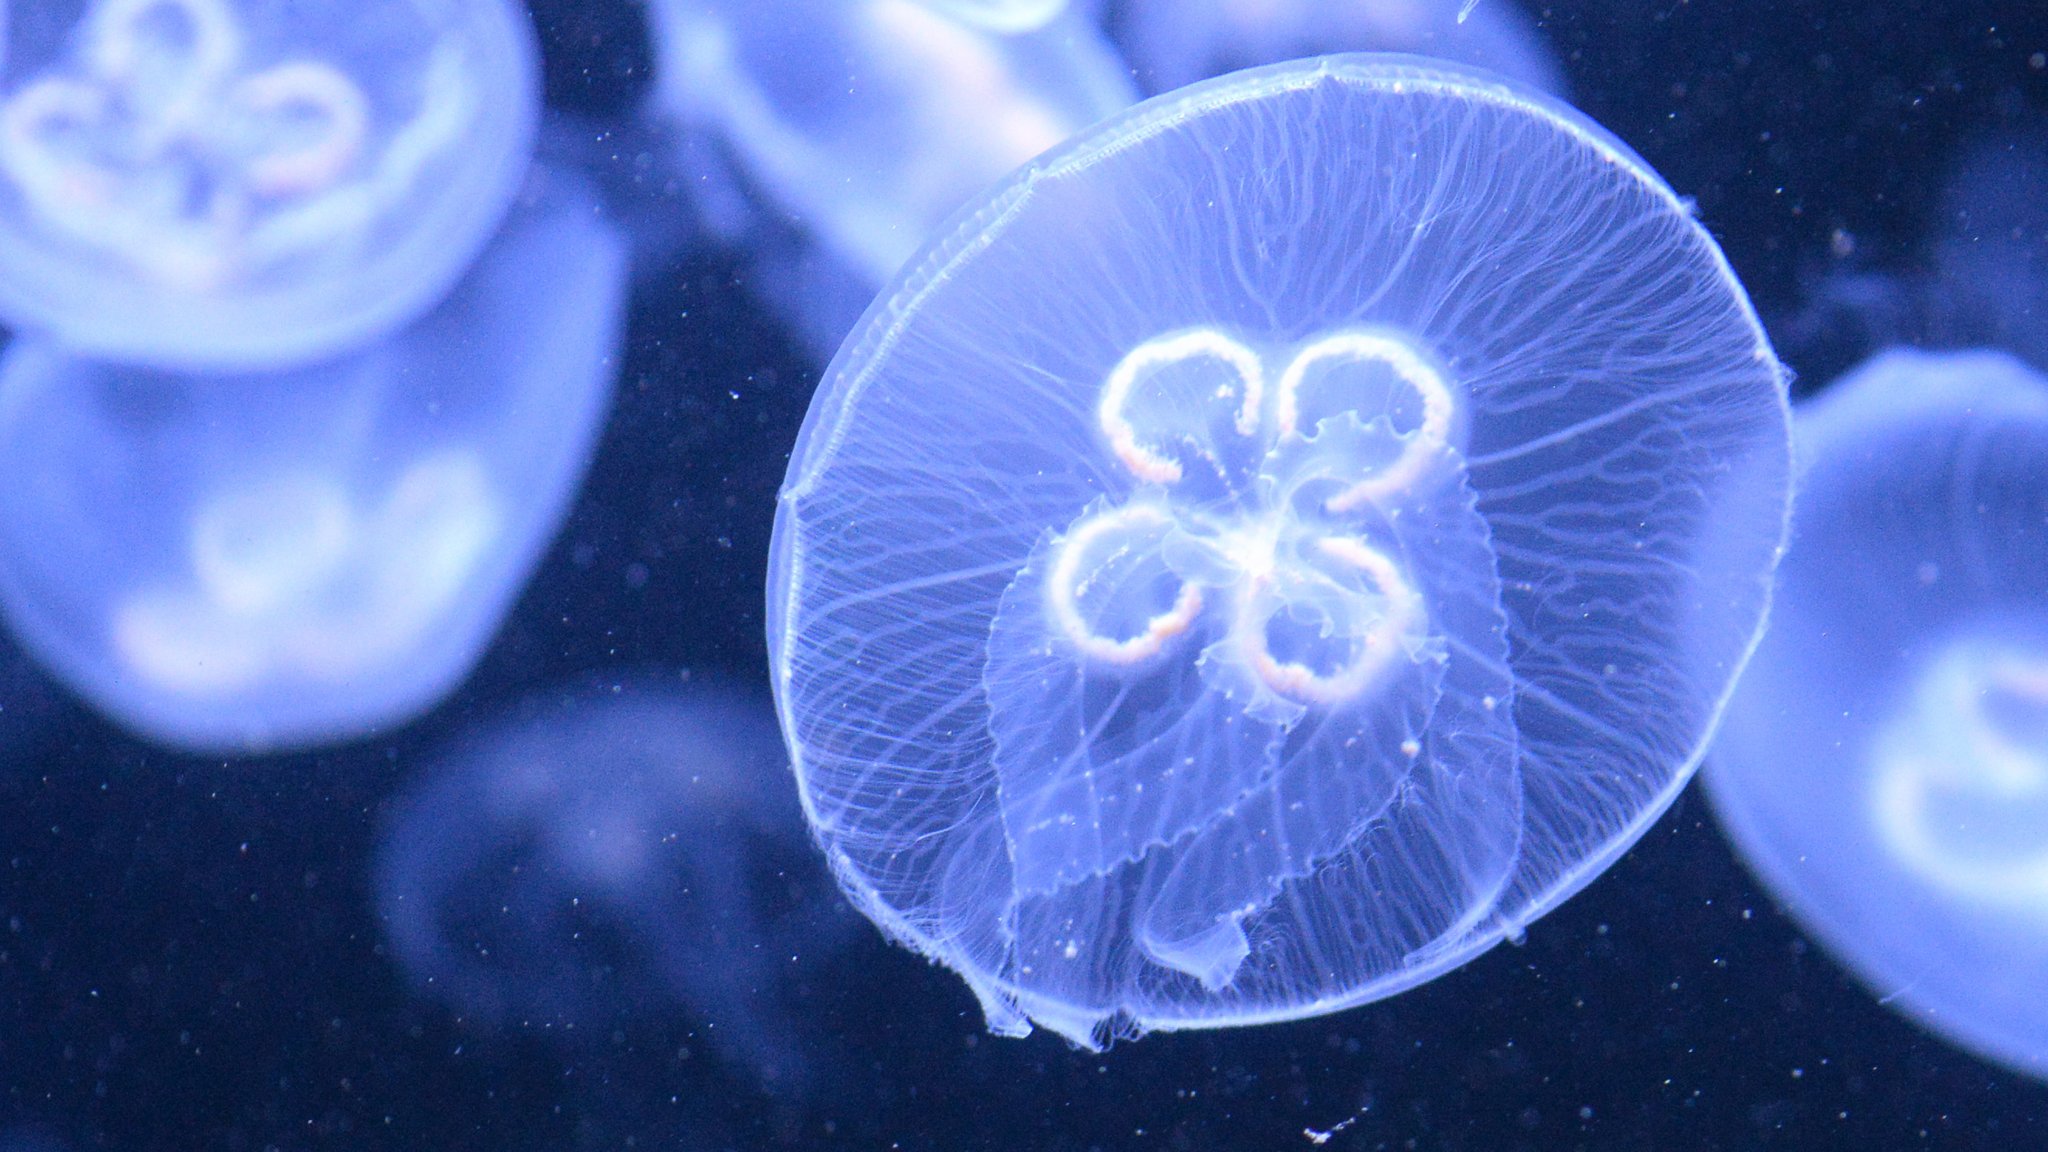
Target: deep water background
{"points": [[189, 955]]}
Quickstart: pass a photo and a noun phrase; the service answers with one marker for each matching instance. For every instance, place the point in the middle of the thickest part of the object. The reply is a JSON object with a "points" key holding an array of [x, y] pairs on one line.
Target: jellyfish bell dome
{"points": [[1883, 766], [601, 851], [829, 187], [944, 106], [249, 562], [1273, 547], [222, 184]]}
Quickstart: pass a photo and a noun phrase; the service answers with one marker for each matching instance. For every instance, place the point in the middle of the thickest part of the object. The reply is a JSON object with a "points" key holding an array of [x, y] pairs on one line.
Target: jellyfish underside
{"points": [[1883, 768], [1212, 585], [953, 95], [253, 560], [290, 579], [628, 850], [164, 149], [214, 184], [943, 109], [1172, 677], [1959, 779]]}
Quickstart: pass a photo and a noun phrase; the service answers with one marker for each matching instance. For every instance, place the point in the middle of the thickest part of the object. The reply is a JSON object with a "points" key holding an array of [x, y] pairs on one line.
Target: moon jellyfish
{"points": [[1883, 767], [598, 854], [1273, 548], [865, 170], [228, 184], [240, 562], [1171, 43]]}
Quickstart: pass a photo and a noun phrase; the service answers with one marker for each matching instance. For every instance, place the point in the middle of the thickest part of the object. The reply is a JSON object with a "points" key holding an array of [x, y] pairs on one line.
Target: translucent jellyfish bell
{"points": [[249, 561], [1273, 548], [601, 853], [1883, 767], [868, 170], [217, 184], [1171, 43]]}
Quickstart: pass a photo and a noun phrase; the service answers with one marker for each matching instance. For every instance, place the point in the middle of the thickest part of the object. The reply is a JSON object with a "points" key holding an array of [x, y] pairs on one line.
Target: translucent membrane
{"points": [[1273, 547], [600, 851], [227, 184], [241, 562], [1883, 768], [833, 185]]}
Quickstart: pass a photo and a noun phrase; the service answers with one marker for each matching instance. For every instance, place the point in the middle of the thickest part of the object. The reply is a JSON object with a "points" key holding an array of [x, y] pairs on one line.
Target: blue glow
{"points": [[868, 171], [222, 184], [1273, 548], [1171, 43], [1009, 16], [253, 561], [1991, 246], [1883, 768], [602, 853]]}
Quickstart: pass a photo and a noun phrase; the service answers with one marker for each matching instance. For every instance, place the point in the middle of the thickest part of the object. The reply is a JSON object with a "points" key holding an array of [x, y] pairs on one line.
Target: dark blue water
{"points": [[190, 958]]}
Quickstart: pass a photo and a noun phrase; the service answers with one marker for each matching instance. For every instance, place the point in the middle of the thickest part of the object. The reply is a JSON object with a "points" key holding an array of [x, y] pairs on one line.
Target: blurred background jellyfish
{"points": [[1991, 246], [1279, 545], [1001, 15], [831, 185], [1883, 766], [1979, 281], [602, 855], [227, 184], [1172, 43], [252, 561]]}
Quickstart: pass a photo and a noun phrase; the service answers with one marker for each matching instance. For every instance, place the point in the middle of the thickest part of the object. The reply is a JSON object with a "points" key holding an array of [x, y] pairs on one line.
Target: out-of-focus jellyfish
{"points": [[241, 562], [218, 184], [1991, 247], [1847, 313], [1171, 43], [1883, 766], [601, 855], [863, 123], [1009, 16], [1259, 558]]}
